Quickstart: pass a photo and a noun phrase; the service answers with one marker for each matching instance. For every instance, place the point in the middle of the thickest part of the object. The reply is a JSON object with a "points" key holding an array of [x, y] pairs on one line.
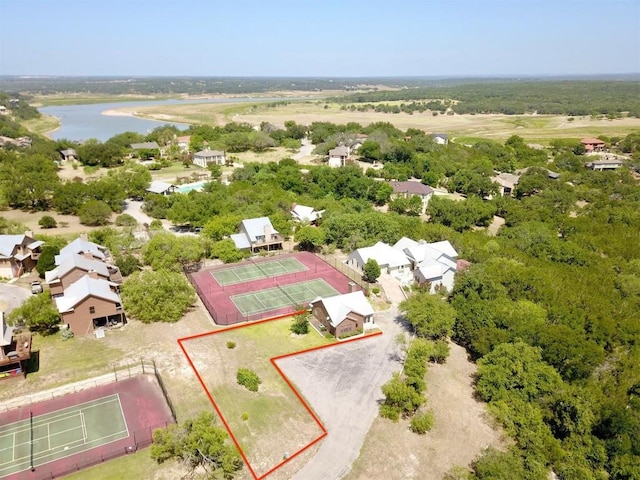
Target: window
{"points": [[118, 306], [92, 310]]}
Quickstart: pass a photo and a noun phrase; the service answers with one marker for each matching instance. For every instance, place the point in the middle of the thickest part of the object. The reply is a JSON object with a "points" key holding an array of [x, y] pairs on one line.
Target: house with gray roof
{"points": [[84, 247], [338, 156], [18, 254], [90, 303], [75, 266], [507, 183], [69, 155], [345, 314], [161, 188], [205, 157], [257, 234], [440, 138]]}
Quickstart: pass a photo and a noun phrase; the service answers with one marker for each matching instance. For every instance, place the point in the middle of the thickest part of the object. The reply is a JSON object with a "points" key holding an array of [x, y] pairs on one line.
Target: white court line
{"points": [[124, 419], [84, 427]]}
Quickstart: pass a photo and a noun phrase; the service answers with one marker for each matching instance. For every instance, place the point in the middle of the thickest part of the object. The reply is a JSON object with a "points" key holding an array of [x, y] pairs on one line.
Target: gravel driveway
{"points": [[12, 296], [342, 385]]}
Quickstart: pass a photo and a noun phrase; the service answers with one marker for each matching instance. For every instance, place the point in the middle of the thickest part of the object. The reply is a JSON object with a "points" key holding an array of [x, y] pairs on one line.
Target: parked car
{"points": [[36, 287]]}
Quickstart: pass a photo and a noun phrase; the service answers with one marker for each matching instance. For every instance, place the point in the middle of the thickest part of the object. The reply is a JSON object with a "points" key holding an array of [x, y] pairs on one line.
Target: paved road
{"points": [[12, 296], [342, 385], [306, 150]]}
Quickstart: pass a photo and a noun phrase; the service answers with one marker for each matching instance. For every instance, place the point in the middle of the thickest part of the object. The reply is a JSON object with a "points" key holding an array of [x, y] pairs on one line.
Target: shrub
{"points": [[66, 334], [375, 290], [47, 222], [231, 345], [248, 379], [300, 324], [422, 422], [439, 352], [126, 220], [127, 264], [245, 416], [156, 225]]}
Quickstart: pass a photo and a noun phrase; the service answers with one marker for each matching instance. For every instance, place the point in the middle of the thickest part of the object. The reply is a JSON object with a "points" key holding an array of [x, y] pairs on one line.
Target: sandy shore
{"points": [[115, 112]]}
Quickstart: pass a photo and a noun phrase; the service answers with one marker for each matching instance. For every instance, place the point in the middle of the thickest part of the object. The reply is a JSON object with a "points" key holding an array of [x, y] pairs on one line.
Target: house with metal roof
{"points": [[84, 247], [302, 213], [389, 259], [440, 138], [90, 303], [345, 314], [507, 183], [18, 254], [75, 266], [205, 157], [257, 234], [338, 156], [161, 188]]}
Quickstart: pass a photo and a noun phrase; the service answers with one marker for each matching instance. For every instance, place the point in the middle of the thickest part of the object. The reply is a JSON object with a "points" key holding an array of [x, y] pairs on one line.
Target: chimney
{"points": [[29, 233], [267, 232], [83, 236]]}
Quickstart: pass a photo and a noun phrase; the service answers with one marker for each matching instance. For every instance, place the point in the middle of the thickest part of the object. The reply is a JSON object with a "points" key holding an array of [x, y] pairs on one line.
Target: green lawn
{"points": [[277, 421]]}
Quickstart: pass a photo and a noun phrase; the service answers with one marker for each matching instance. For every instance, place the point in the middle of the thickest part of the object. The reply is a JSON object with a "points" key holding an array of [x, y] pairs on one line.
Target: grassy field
{"points": [[43, 125], [85, 99], [274, 419], [534, 128]]}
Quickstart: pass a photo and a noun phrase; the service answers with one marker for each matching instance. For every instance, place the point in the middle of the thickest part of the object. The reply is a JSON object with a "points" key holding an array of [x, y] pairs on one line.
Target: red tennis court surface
{"points": [[216, 298], [144, 408]]}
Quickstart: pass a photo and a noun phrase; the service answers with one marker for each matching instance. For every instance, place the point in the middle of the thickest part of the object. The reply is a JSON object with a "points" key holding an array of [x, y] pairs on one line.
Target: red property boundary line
{"points": [[273, 361]]}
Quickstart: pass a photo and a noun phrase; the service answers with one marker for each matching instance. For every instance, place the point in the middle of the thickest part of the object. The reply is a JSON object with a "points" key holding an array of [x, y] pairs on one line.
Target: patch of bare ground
{"points": [[68, 225], [495, 225], [461, 431]]}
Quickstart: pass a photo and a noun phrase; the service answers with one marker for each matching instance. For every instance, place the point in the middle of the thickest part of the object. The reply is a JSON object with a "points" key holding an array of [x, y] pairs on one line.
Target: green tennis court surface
{"points": [[282, 296], [258, 270], [61, 433]]}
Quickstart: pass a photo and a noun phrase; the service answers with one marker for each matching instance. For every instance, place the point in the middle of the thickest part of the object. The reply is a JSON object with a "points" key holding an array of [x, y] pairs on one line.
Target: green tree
{"points": [[47, 221], [227, 251], [47, 259], [125, 220], [371, 270], [430, 316], [157, 296], [127, 264], [300, 323], [94, 213], [221, 226], [248, 379], [166, 251], [515, 369], [37, 313], [198, 443], [400, 399], [309, 237]]}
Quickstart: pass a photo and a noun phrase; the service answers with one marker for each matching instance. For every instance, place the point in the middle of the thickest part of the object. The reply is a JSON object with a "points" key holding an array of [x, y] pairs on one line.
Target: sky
{"points": [[319, 38]]}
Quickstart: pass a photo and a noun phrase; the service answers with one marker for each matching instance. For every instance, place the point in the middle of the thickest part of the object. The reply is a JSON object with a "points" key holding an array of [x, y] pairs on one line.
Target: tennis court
{"points": [[257, 270], [52, 436], [282, 296]]}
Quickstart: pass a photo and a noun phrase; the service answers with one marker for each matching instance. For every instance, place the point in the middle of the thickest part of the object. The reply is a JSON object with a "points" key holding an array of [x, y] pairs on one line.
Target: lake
{"points": [[81, 122]]}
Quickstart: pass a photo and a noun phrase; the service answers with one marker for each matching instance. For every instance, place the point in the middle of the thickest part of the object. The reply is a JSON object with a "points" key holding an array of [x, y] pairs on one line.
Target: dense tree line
{"points": [[593, 97]]}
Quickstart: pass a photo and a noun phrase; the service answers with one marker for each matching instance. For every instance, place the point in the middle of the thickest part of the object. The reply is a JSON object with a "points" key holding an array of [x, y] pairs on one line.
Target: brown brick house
{"points": [[18, 254], [90, 303], [75, 266], [343, 314]]}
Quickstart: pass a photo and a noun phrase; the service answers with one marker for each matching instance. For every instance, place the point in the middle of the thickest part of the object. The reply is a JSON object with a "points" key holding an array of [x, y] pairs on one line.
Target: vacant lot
{"points": [[538, 128]]}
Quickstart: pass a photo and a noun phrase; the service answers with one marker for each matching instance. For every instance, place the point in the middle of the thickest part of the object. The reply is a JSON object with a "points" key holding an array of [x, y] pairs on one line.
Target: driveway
{"points": [[342, 385], [306, 150], [12, 296]]}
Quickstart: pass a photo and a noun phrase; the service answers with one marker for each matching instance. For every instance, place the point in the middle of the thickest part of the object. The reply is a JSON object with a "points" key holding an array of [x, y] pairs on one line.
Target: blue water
{"points": [[81, 122], [188, 187]]}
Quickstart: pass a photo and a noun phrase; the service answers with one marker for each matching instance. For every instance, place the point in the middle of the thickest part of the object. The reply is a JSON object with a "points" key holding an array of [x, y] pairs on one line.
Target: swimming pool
{"points": [[187, 187]]}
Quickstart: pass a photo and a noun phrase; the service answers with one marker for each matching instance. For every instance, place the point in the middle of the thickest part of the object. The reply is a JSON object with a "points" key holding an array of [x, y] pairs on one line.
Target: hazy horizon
{"points": [[331, 39]]}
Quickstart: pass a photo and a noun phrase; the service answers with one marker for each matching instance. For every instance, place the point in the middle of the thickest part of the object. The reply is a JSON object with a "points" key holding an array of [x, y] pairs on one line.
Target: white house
{"points": [[338, 156], [410, 261], [440, 138], [394, 261], [161, 188], [302, 213], [256, 234], [204, 157], [507, 183]]}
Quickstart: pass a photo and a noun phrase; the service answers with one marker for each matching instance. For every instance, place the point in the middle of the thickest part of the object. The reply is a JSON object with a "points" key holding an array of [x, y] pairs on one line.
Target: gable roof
{"points": [[440, 135], [158, 186], [382, 253], [83, 288], [145, 146], [506, 179], [68, 152], [79, 245], [339, 306], [591, 141], [209, 153], [254, 227], [70, 262], [9, 242], [306, 214], [339, 151], [413, 188]]}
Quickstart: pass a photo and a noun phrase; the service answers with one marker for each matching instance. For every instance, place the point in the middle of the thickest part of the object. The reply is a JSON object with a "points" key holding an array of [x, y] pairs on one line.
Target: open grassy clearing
{"points": [[539, 128], [85, 99], [42, 125], [275, 420]]}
